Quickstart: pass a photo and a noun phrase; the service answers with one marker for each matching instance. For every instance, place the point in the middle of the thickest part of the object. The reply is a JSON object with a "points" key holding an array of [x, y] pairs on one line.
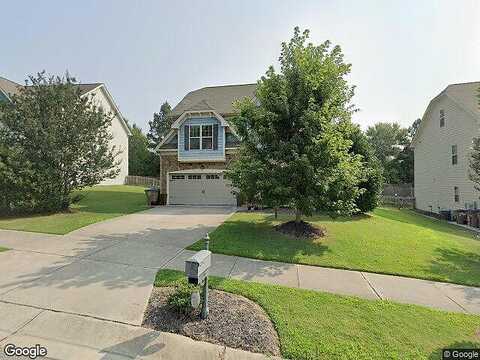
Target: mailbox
{"points": [[196, 268]]}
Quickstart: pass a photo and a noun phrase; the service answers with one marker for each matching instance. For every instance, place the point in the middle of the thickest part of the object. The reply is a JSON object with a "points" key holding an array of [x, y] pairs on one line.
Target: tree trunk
{"points": [[298, 216], [276, 212]]}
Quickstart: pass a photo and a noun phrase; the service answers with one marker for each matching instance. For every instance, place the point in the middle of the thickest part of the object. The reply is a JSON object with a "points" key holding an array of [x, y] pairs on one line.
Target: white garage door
{"points": [[200, 189]]}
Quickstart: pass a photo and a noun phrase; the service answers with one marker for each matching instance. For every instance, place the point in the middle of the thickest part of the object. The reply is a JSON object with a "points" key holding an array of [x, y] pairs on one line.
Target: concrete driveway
{"points": [[105, 270], [83, 294]]}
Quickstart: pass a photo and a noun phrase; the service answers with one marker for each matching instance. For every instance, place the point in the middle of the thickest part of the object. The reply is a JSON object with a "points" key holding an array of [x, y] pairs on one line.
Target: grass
{"points": [[315, 325], [389, 241], [3, 249], [99, 203]]}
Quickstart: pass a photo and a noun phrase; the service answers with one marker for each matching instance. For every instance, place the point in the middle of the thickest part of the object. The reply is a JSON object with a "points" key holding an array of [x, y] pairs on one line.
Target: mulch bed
{"points": [[303, 229], [233, 321]]}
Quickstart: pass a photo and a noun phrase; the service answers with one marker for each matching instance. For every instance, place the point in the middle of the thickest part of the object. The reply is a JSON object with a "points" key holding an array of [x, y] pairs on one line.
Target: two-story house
{"points": [[200, 145], [118, 128], [442, 150]]}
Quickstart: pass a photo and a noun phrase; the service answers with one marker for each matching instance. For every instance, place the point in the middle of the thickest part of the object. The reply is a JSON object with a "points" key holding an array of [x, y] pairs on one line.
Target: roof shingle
{"points": [[219, 98], [10, 87]]}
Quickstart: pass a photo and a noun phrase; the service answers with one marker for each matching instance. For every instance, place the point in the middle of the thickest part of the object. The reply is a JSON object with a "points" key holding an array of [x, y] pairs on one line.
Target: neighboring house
{"points": [[442, 148], [200, 145], [119, 127]]}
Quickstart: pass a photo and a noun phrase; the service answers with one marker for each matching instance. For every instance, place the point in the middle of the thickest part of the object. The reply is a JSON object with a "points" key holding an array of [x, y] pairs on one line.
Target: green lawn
{"points": [[3, 249], [315, 325], [99, 203], [387, 241]]}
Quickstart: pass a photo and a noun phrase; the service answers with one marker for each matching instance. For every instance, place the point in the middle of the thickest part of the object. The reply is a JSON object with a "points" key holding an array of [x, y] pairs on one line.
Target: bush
{"points": [[53, 141], [180, 299]]}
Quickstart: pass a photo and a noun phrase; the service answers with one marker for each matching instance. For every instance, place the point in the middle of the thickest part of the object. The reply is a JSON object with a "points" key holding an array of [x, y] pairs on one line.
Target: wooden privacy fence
{"points": [[141, 181], [398, 195]]}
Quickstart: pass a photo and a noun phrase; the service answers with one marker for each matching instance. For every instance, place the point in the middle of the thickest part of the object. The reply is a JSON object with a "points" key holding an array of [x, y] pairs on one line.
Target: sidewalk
{"points": [[70, 336], [444, 296]]}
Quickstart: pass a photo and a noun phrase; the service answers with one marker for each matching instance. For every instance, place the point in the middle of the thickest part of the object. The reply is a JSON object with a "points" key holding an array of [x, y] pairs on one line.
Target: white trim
{"points": [[202, 160], [199, 137], [112, 104], [91, 90], [6, 95], [187, 114], [168, 150], [165, 139]]}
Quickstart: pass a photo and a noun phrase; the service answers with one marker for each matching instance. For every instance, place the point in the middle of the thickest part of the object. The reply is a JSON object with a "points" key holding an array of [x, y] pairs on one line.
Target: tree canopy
{"points": [[141, 160], [52, 142], [294, 146], [390, 143], [160, 125]]}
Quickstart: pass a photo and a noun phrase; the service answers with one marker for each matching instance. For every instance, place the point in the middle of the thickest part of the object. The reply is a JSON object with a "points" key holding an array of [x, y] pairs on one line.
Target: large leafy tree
{"points": [[292, 132], [52, 142], [390, 143], [141, 160], [160, 125], [372, 183]]}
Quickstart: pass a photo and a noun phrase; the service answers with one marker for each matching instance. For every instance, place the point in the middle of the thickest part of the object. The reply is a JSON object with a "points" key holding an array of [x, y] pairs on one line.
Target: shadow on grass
{"points": [[317, 217], [261, 241], [437, 354], [457, 265]]}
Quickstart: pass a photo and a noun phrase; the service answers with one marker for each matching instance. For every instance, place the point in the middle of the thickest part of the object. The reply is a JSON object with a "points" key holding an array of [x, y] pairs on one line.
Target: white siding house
{"points": [[119, 130], [442, 148], [102, 97]]}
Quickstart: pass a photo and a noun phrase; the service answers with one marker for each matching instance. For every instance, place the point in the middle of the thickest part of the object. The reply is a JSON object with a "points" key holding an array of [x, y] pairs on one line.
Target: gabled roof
{"points": [[218, 98], [464, 95], [10, 88]]}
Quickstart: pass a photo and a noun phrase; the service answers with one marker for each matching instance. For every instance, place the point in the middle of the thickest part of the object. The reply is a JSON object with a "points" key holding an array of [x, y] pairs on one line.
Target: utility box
{"points": [[196, 268]]}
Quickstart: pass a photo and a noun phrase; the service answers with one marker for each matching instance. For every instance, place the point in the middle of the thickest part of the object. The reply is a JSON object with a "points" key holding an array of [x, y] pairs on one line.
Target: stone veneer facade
{"points": [[169, 162]]}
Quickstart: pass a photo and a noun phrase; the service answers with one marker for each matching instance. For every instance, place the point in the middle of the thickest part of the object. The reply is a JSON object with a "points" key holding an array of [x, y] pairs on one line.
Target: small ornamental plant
{"points": [[180, 300]]}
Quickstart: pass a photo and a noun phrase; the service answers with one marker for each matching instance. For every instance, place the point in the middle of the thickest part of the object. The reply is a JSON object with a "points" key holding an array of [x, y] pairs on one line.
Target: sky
{"points": [[403, 52]]}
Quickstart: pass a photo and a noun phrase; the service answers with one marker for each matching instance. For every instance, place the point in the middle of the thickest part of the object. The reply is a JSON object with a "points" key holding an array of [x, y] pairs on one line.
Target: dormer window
{"points": [[207, 137], [194, 134], [200, 137], [442, 118]]}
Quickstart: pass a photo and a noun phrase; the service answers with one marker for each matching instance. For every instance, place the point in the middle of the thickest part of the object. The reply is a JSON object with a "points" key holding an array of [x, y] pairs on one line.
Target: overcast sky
{"points": [[402, 52]]}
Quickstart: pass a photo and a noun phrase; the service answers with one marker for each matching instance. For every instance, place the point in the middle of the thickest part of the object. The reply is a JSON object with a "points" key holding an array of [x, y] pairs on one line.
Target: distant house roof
{"points": [[219, 98], [10, 87], [465, 95]]}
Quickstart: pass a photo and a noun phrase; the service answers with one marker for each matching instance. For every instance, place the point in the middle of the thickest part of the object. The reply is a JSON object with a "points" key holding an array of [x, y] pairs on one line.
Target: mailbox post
{"points": [[196, 270]]}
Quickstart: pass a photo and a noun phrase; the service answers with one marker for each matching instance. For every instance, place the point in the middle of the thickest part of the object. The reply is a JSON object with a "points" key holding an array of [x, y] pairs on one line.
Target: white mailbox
{"points": [[196, 268]]}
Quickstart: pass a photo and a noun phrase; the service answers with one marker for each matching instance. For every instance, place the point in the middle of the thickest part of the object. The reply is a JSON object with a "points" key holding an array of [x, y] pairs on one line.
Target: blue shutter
{"points": [[215, 137], [186, 137]]}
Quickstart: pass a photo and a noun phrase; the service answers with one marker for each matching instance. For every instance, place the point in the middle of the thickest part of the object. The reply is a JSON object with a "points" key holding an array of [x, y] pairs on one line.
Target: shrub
{"points": [[53, 141], [180, 299]]}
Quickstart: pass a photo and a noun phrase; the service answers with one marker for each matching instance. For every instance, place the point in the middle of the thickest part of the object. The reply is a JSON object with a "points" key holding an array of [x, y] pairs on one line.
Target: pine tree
{"points": [[160, 125]]}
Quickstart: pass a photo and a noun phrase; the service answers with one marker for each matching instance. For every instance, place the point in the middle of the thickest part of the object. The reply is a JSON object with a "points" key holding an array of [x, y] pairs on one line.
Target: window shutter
{"points": [[215, 137], [186, 136]]}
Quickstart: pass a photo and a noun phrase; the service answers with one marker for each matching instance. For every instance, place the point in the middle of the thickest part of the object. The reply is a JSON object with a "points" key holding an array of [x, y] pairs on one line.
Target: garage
{"points": [[199, 187]]}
